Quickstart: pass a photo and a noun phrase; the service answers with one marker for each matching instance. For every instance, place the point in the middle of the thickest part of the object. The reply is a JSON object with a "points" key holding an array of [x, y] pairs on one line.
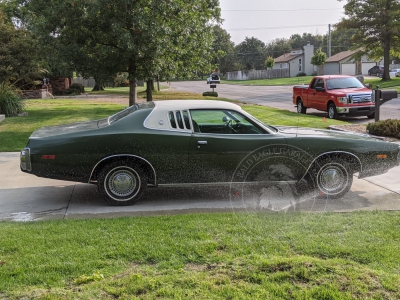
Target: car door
{"points": [[226, 144], [317, 95]]}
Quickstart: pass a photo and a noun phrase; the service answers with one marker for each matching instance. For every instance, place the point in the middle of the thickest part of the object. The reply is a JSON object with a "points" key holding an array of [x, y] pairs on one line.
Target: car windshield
{"points": [[343, 83]]}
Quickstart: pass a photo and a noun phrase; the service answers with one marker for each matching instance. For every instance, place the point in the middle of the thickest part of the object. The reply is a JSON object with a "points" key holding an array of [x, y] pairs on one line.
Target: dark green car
{"points": [[190, 142]]}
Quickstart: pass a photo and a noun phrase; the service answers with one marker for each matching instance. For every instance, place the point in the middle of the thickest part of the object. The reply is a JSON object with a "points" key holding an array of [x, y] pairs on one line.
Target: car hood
{"points": [[68, 128], [308, 132], [350, 91]]}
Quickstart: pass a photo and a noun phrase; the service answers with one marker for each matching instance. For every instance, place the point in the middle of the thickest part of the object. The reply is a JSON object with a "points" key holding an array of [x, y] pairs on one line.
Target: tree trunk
{"points": [[386, 58], [158, 83], [98, 87], [149, 90], [132, 82]]}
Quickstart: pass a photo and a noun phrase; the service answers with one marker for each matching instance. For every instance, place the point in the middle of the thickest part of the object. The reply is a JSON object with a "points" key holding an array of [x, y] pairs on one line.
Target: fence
{"points": [[257, 74], [90, 82]]}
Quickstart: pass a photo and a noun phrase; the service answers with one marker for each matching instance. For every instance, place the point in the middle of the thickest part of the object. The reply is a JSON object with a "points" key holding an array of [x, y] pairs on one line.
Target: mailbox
{"points": [[381, 97], [213, 86]]}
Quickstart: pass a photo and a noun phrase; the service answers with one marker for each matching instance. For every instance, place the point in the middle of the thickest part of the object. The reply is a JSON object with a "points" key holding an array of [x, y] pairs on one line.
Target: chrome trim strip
{"points": [[124, 155], [222, 183], [332, 152]]}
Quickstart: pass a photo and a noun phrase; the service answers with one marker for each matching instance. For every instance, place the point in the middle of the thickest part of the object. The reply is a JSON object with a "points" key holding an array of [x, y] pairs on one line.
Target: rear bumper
{"points": [[25, 160], [356, 110]]}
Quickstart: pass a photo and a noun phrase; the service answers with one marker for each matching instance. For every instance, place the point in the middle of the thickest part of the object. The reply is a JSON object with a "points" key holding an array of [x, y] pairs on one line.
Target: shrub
{"points": [[77, 87], [301, 74], [11, 102], [210, 94], [389, 128]]}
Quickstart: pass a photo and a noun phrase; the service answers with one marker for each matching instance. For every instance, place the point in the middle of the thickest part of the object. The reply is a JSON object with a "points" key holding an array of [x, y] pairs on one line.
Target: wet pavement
{"points": [[24, 197]]}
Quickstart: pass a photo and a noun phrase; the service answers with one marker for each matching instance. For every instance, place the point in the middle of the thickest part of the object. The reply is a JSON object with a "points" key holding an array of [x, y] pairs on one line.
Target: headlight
{"points": [[343, 100]]}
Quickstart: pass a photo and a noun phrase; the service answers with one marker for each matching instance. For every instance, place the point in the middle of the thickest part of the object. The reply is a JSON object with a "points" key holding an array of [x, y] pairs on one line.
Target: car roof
{"points": [[159, 116], [334, 76]]}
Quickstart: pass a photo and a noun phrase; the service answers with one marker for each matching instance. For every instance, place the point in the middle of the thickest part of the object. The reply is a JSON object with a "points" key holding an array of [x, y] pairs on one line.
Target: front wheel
{"points": [[332, 113], [301, 109], [333, 177], [121, 183], [371, 116]]}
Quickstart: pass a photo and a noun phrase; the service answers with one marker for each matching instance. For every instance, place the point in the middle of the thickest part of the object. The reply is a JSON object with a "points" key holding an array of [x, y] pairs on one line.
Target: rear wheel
{"points": [[332, 113], [333, 177], [301, 109], [121, 183]]}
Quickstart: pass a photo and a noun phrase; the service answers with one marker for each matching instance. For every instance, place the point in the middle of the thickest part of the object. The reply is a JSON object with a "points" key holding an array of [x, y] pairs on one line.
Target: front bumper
{"points": [[25, 160], [356, 110]]}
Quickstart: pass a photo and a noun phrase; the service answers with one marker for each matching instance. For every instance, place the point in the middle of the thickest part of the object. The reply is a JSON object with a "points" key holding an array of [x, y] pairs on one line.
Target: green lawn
{"points": [[394, 83], [204, 256], [15, 131]]}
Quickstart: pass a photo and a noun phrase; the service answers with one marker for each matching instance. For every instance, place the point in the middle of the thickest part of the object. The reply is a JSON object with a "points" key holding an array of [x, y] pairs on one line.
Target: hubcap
{"points": [[122, 183], [332, 180], [299, 107], [331, 112]]}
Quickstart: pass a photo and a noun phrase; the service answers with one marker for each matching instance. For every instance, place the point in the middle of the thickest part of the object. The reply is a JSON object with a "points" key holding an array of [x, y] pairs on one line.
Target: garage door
{"points": [[348, 69], [366, 66]]}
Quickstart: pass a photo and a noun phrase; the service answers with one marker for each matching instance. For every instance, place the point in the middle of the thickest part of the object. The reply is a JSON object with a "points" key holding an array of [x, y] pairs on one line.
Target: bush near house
{"points": [[11, 102], [389, 128]]}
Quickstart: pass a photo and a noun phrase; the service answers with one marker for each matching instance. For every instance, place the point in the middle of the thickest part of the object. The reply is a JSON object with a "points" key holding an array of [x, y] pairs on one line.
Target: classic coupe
{"points": [[194, 142]]}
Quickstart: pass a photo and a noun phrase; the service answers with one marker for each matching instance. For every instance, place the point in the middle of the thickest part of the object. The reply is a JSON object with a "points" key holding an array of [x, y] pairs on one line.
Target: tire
{"points": [[371, 116], [121, 183], [332, 113], [300, 108], [333, 177]]}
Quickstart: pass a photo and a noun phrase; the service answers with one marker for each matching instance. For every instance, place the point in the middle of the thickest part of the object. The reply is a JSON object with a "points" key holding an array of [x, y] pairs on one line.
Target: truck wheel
{"points": [[371, 116], [121, 183], [300, 108], [332, 113]]}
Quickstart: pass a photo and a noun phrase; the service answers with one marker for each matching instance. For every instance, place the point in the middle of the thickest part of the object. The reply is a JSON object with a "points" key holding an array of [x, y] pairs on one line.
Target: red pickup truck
{"points": [[336, 94]]}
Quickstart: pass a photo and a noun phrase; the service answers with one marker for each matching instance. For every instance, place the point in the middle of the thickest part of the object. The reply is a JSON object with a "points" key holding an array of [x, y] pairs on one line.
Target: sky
{"points": [[271, 19]]}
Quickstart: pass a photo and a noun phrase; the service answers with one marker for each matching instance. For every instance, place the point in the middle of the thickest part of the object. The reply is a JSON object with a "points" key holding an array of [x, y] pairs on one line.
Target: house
{"points": [[343, 63], [297, 61]]}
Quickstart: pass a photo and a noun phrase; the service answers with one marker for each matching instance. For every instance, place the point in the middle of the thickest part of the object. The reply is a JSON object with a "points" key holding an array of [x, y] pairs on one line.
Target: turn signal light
{"points": [[381, 156], [48, 157]]}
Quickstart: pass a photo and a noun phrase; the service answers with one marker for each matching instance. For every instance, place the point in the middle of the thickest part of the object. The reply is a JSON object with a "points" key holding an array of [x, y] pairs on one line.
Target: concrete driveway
{"points": [[25, 197]]}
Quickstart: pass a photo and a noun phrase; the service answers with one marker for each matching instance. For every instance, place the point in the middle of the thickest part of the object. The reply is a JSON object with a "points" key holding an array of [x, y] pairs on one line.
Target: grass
{"points": [[394, 83], [15, 131], [273, 81], [204, 256]]}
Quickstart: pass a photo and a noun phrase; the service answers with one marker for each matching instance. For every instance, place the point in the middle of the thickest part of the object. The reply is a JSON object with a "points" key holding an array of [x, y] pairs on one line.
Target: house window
{"points": [[281, 66], [299, 64]]}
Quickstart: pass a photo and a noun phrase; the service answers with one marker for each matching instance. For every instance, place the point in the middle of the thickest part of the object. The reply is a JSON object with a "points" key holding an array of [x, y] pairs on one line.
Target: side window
{"points": [[223, 122], [179, 119], [172, 119], [186, 119]]}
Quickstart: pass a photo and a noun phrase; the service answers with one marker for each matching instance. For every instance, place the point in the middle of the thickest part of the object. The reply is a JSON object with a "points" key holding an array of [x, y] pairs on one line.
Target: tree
{"points": [[269, 62], [298, 41], [18, 63], [145, 38], [224, 48], [376, 24], [278, 47], [251, 53], [318, 58]]}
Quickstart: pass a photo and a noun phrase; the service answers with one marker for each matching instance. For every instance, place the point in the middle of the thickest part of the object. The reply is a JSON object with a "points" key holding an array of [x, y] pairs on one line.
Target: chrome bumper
{"points": [[25, 160]]}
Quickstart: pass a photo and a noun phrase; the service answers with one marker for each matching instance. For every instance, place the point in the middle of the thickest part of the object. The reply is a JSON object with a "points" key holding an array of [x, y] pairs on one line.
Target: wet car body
{"points": [[191, 142]]}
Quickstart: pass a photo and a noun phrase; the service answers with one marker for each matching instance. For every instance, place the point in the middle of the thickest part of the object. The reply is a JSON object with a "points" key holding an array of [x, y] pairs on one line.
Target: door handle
{"points": [[201, 142]]}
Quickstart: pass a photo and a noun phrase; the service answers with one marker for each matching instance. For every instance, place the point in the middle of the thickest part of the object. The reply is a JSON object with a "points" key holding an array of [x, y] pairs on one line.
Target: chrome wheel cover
{"points": [[331, 112], [299, 107], [122, 183], [332, 179]]}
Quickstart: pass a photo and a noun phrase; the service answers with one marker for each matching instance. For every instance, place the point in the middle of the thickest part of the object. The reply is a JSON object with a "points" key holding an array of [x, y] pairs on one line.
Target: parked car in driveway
{"points": [[396, 72], [213, 79], [198, 143], [375, 70]]}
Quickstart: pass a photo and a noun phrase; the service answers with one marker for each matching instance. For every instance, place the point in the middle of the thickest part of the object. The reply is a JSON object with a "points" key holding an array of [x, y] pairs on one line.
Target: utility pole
{"points": [[329, 41]]}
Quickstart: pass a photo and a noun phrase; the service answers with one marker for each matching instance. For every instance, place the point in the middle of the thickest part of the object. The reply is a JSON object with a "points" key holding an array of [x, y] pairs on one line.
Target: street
{"points": [[277, 97]]}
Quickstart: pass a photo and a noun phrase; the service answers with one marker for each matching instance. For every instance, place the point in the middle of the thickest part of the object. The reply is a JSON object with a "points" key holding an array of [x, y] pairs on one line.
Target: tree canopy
{"points": [[376, 25], [251, 53], [145, 38]]}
